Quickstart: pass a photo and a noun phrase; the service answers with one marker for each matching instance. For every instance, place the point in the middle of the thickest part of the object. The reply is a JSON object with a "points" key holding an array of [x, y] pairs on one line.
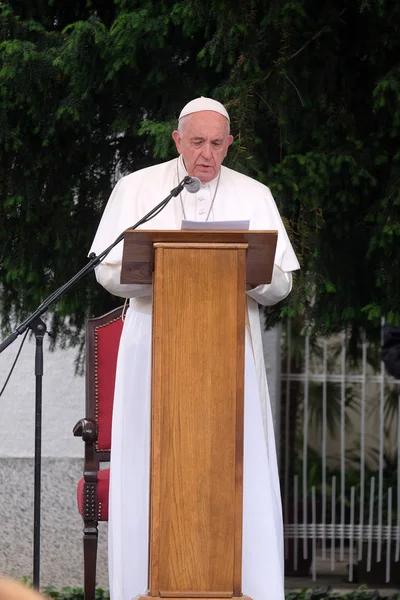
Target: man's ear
{"points": [[177, 139], [229, 142]]}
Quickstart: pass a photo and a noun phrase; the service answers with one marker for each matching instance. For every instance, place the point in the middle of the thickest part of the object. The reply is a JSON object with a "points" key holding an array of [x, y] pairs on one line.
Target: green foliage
{"points": [[91, 90], [362, 593], [160, 135], [70, 593]]}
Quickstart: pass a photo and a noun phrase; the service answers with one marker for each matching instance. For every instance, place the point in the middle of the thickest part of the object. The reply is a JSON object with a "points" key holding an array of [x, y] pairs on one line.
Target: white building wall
{"points": [[63, 405]]}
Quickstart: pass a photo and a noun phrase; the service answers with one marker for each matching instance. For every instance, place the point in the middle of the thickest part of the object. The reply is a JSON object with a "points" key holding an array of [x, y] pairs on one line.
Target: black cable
{"points": [[14, 363], [154, 215]]}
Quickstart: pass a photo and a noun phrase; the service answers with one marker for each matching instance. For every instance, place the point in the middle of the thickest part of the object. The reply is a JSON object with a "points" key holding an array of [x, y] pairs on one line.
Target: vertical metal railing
{"points": [[323, 440], [380, 472], [362, 448], [342, 445], [287, 426], [397, 557], [305, 446], [351, 513], [333, 555]]}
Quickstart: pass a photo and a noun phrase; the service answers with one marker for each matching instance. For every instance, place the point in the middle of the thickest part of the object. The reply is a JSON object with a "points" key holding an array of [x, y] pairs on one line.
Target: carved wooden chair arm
{"points": [[86, 429]]}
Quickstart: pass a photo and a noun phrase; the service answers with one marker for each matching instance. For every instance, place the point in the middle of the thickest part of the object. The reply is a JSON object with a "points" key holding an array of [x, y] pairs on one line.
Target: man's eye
{"points": [[197, 144]]}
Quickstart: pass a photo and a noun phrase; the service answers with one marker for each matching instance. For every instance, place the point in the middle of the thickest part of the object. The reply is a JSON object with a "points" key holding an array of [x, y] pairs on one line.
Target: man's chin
{"points": [[205, 175]]}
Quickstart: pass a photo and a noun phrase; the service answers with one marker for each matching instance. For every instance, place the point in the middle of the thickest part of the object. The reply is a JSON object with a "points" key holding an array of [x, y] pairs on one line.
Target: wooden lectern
{"points": [[196, 489]]}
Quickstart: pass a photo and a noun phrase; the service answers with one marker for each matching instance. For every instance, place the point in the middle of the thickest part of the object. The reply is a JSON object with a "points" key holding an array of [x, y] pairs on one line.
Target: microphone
{"points": [[192, 184]]}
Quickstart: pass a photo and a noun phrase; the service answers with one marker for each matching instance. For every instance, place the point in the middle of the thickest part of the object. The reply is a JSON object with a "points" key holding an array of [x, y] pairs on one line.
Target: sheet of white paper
{"points": [[215, 225]]}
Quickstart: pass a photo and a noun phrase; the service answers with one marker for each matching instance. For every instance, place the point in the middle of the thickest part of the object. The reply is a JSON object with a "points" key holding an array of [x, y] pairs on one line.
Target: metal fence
{"points": [[339, 459]]}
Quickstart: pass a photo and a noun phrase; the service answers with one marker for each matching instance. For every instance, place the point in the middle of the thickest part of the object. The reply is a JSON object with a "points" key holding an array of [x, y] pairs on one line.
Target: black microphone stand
{"points": [[38, 327]]}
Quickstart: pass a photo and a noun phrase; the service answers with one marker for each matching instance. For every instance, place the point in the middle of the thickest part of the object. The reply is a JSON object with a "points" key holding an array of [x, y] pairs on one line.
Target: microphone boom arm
{"points": [[38, 327], [94, 261]]}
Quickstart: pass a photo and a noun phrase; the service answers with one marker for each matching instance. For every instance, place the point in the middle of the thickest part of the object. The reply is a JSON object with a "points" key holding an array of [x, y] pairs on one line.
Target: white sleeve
{"points": [[266, 216], [109, 275], [272, 293]]}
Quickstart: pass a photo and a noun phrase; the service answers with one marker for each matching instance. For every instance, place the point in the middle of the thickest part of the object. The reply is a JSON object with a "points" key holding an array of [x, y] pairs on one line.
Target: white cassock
{"points": [[238, 198]]}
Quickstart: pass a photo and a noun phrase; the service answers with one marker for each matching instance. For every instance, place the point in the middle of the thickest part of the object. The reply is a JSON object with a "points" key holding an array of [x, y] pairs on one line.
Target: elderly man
{"points": [[202, 141]]}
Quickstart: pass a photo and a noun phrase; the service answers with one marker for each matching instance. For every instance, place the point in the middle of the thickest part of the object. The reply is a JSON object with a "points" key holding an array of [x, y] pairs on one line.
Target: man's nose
{"points": [[206, 150]]}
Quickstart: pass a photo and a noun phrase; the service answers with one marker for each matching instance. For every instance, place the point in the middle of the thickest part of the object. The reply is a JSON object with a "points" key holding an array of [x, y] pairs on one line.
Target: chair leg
{"points": [[90, 535]]}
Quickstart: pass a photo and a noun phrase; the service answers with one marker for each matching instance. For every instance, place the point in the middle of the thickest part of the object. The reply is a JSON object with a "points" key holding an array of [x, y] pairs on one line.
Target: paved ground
{"points": [[336, 580], [323, 582]]}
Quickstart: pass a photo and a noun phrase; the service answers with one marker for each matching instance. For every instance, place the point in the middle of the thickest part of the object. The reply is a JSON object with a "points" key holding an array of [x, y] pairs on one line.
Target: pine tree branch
{"points": [[314, 37]]}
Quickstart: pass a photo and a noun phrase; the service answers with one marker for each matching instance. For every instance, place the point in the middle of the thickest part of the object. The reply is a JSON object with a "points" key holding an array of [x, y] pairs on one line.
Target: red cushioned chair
{"points": [[102, 342]]}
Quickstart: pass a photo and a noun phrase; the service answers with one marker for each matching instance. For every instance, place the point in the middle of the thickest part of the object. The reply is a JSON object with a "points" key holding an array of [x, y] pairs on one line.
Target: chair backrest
{"points": [[102, 343]]}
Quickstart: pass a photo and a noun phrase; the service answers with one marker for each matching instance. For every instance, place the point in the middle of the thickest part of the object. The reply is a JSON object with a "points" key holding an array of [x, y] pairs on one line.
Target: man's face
{"points": [[203, 143]]}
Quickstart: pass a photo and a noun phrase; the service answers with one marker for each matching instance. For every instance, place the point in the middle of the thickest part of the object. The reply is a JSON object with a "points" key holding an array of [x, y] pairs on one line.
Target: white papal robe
{"points": [[238, 198]]}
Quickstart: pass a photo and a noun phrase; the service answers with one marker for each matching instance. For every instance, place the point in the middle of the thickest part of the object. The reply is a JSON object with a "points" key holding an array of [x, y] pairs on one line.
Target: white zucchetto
{"points": [[202, 103]]}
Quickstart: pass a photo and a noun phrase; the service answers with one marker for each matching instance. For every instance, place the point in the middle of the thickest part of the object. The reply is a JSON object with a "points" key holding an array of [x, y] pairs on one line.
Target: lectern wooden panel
{"points": [[199, 307], [198, 379]]}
